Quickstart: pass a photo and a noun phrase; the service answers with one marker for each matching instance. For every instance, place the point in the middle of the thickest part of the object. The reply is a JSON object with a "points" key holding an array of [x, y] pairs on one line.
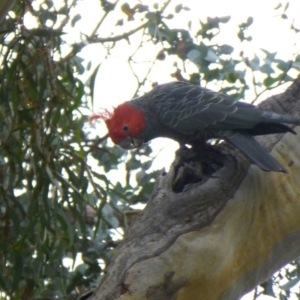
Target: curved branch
{"points": [[128, 33], [116, 38]]}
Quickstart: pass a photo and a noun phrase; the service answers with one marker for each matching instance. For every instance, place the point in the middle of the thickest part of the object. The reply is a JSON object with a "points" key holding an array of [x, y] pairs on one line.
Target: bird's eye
{"points": [[125, 128]]}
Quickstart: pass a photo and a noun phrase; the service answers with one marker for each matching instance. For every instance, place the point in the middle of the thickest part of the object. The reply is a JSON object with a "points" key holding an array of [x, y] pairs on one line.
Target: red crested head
{"points": [[124, 125]]}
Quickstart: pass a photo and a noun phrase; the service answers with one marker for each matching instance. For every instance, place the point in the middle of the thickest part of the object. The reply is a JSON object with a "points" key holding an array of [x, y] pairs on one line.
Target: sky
{"points": [[115, 82]]}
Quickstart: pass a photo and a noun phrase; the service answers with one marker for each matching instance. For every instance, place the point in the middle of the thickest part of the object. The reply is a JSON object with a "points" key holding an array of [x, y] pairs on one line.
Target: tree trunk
{"points": [[219, 237]]}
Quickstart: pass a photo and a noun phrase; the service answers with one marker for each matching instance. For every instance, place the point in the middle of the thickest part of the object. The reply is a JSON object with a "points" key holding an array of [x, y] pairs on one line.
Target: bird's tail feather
{"points": [[254, 151]]}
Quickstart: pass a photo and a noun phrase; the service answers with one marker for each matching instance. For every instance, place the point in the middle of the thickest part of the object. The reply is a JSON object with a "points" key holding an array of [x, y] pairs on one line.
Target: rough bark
{"points": [[219, 237]]}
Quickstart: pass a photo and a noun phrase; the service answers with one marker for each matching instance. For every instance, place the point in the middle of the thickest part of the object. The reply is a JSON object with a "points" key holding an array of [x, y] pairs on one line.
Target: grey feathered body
{"points": [[191, 114]]}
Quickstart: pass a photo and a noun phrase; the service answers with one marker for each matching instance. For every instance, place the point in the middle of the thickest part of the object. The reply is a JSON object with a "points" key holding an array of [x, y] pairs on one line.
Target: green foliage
{"points": [[45, 204], [57, 199]]}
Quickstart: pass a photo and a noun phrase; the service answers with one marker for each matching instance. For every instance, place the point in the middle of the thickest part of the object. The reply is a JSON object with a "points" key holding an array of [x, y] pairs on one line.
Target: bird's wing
{"points": [[188, 108]]}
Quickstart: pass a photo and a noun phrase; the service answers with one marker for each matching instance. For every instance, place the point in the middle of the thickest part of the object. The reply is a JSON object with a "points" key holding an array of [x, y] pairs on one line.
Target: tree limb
{"points": [[118, 37]]}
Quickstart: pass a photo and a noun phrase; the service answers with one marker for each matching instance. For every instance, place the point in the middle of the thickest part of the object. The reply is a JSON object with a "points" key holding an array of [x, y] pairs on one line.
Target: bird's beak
{"points": [[130, 143]]}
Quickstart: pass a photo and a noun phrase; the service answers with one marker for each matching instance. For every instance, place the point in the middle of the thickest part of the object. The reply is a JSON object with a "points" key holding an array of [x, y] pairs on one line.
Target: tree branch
{"points": [[117, 37]]}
